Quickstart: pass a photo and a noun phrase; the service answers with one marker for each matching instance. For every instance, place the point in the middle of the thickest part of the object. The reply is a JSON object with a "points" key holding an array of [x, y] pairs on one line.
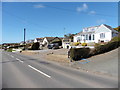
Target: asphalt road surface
{"points": [[20, 71]]}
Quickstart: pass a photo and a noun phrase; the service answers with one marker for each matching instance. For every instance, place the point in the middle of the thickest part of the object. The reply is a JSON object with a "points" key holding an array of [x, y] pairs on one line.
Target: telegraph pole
{"points": [[24, 37]]}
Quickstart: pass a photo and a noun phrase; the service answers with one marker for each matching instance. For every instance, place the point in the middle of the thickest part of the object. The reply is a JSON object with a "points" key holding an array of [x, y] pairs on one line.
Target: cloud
{"points": [[83, 8], [101, 21], [39, 6], [92, 12]]}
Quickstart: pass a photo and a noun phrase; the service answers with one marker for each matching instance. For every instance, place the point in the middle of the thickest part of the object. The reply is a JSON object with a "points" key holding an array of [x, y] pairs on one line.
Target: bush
{"points": [[9, 50], [97, 44], [79, 53], [117, 38], [75, 43], [108, 47], [84, 44], [35, 46]]}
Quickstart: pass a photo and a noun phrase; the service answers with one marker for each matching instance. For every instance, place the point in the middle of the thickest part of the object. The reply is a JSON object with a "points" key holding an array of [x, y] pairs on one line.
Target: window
{"points": [[89, 37], [83, 37], [86, 37], [93, 37], [102, 35], [78, 39]]}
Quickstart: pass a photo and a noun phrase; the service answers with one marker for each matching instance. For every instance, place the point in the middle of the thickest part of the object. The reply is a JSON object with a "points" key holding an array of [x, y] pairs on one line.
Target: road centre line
{"points": [[12, 56], [19, 60], [39, 71]]}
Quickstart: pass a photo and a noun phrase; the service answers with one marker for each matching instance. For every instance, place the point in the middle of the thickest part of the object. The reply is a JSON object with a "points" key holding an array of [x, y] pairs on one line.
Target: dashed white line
{"points": [[39, 71], [12, 56], [19, 60]]}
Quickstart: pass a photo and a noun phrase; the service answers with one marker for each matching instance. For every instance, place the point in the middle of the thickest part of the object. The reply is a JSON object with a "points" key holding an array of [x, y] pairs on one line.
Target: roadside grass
{"points": [[10, 50]]}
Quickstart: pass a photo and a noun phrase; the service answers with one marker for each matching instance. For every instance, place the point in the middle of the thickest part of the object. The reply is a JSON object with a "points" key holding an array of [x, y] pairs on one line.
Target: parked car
{"points": [[53, 46]]}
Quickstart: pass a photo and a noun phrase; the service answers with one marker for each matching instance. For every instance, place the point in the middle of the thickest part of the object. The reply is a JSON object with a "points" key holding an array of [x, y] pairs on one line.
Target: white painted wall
{"points": [[45, 41], [98, 31], [35, 40], [106, 31], [65, 44], [75, 38]]}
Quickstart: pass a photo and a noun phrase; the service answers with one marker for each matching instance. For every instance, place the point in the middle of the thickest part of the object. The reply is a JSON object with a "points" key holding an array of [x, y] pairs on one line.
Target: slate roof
{"points": [[52, 38], [40, 39]]}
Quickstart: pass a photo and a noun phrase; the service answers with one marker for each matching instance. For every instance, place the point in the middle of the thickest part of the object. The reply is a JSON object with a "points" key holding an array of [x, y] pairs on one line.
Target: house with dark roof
{"points": [[30, 41], [40, 40], [48, 40], [101, 33]]}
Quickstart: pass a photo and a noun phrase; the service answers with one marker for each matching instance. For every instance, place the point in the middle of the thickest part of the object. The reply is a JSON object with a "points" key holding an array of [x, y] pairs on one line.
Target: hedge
{"points": [[35, 46], [79, 53], [108, 47]]}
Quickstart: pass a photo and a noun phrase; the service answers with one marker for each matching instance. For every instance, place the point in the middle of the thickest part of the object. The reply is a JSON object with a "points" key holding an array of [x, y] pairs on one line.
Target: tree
{"points": [[117, 28], [69, 36], [35, 46]]}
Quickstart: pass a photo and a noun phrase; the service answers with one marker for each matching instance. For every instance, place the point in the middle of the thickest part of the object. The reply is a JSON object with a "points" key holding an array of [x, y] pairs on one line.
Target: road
{"points": [[20, 71]]}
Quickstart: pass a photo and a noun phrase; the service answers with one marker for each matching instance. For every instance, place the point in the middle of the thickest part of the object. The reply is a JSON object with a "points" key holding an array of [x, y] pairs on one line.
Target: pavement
{"points": [[21, 71]]}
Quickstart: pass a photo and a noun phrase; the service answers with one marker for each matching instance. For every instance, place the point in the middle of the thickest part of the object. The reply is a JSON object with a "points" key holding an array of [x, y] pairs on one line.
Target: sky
{"points": [[51, 19]]}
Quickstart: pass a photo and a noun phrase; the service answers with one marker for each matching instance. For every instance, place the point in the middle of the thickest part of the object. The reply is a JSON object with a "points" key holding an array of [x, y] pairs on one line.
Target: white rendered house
{"points": [[101, 33]]}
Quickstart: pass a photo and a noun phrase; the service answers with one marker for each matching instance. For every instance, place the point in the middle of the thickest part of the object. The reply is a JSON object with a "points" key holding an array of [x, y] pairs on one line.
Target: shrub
{"points": [[108, 47], [75, 43], [97, 44], [84, 44], [79, 53], [35, 46], [9, 50]]}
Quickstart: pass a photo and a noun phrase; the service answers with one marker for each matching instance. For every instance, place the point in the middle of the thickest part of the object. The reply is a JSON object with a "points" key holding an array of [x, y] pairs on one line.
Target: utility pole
{"points": [[24, 37]]}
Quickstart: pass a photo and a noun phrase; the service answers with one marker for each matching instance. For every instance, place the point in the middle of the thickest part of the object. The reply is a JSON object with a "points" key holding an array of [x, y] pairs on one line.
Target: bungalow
{"points": [[48, 40], [40, 40], [101, 33], [29, 41]]}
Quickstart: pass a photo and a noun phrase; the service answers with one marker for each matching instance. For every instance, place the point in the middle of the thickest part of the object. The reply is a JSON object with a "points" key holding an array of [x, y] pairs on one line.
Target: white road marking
{"points": [[19, 60], [39, 71], [12, 56]]}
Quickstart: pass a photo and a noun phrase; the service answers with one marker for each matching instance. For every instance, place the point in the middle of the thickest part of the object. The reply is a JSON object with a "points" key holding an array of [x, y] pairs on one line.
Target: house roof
{"points": [[39, 39], [109, 27], [52, 38], [80, 33], [30, 41]]}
